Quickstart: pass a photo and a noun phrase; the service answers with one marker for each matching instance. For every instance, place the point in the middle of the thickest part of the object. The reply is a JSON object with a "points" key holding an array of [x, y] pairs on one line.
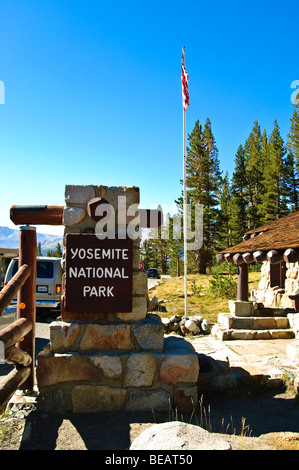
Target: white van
{"points": [[48, 281]]}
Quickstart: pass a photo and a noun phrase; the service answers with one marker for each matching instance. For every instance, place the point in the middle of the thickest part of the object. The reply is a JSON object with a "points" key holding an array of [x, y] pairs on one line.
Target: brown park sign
{"points": [[98, 277]]}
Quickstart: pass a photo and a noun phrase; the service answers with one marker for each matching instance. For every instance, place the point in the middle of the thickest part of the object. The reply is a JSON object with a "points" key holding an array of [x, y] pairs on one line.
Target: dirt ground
{"points": [[268, 421]]}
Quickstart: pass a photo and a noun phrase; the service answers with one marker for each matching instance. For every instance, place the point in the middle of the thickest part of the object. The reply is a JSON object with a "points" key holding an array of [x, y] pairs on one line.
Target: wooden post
{"points": [[248, 258], [275, 256], [10, 290], [243, 282], [11, 383], [11, 334], [36, 215], [260, 256], [27, 295], [291, 256]]}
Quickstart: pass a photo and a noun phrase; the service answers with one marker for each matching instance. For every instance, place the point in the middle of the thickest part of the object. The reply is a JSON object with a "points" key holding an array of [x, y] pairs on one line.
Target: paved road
{"points": [[153, 282]]}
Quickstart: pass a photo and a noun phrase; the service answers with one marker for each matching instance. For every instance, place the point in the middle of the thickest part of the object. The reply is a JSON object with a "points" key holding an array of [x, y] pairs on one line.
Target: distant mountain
{"points": [[9, 238]]}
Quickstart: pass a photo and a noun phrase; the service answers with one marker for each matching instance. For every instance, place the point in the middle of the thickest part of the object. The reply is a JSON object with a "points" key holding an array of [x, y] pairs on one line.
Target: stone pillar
{"points": [[104, 359]]}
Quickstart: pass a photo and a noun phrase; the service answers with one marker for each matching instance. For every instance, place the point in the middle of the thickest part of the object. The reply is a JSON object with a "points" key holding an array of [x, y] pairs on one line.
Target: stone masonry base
{"points": [[119, 360], [90, 367]]}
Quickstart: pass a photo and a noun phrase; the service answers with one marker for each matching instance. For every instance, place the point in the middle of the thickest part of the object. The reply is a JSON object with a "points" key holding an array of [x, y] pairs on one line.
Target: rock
{"points": [[241, 308], [153, 303], [140, 370], [109, 365], [196, 331], [63, 335], [107, 337], [191, 325], [73, 215], [205, 326], [139, 310], [93, 398], [166, 324], [60, 368], [175, 318], [197, 319], [174, 326], [179, 368], [77, 194], [139, 283], [148, 400], [149, 335], [184, 330], [176, 435], [166, 321]]}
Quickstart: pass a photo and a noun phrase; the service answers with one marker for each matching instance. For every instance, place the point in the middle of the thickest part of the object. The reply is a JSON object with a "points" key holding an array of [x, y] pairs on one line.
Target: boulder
{"points": [[177, 435], [191, 325]]}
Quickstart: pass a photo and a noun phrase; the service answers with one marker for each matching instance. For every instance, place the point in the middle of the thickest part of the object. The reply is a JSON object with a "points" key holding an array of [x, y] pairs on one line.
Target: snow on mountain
{"points": [[9, 238]]}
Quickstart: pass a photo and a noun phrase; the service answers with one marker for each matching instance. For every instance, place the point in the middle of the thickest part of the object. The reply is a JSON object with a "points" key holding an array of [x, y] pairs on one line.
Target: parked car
{"points": [[153, 272], [48, 281]]}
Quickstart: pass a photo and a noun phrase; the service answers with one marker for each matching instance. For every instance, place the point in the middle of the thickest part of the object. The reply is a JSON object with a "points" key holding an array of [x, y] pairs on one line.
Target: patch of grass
{"points": [[202, 417], [201, 301], [3, 416]]}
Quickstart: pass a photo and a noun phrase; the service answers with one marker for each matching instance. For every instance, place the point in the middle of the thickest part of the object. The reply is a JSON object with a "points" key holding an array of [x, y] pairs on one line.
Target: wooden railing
{"points": [[19, 337]]}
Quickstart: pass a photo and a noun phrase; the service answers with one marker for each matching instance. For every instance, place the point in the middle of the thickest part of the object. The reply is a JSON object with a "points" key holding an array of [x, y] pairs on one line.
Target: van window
{"points": [[44, 269]]}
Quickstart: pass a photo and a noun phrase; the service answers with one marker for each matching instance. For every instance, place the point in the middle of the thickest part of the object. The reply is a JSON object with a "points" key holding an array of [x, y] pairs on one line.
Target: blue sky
{"points": [[93, 90]]}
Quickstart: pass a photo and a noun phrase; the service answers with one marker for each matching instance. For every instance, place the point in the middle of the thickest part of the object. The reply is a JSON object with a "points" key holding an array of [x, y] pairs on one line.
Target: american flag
{"points": [[185, 79]]}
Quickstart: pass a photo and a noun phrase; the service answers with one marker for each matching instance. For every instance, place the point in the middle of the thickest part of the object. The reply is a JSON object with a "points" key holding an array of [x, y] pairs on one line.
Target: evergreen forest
{"points": [[264, 186]]}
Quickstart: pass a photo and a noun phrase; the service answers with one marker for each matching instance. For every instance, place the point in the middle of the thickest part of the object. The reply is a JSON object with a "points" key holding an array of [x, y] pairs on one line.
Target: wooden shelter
{"points": [[276, 242]]}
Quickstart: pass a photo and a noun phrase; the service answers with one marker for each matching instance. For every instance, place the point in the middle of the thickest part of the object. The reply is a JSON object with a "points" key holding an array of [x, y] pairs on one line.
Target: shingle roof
{"points": [[276, 235]]}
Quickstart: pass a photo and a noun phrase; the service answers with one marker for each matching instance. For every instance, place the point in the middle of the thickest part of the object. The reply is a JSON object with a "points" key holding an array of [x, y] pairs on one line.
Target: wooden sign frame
{"points": [[98, 276]]}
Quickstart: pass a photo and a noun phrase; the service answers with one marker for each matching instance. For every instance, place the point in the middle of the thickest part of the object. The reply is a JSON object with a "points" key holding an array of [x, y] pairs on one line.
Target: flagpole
{"points": [[184, 195], [185, 213]]}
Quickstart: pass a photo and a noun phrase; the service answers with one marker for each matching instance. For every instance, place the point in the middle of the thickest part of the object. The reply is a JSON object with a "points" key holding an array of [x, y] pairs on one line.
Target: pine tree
{"points": [[157, 246], [57, 253], [291, 182], [293, 136], [39, 249], [254, 171], [292, 179], [175, 247], [239, 203], [203, 182], [273, 203], [225, 231], [147, 254]]}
